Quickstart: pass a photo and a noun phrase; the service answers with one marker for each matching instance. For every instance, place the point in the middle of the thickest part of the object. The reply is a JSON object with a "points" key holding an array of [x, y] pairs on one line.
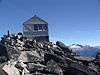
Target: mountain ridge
{"points": [[84, 50]]}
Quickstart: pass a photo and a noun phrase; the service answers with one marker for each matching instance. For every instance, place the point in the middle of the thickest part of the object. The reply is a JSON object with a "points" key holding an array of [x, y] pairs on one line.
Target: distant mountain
{"points": [[84, 50], [97, 47]]}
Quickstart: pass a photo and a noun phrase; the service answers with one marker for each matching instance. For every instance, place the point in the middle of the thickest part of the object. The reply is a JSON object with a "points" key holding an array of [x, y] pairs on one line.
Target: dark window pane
{"points": [[35, 27], [45, 27], [40, 27]]}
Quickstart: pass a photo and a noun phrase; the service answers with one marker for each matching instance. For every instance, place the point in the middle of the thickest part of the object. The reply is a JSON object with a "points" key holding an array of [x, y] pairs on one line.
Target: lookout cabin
{"points": [[36, 28]]}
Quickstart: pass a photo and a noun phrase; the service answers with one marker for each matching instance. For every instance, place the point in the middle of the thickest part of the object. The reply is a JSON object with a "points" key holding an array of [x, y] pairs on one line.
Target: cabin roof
{"points": [[35, 20]]}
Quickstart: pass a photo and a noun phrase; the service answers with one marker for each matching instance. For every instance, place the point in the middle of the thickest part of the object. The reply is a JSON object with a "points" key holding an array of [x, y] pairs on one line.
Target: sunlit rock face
{"points": [[31, 57]]}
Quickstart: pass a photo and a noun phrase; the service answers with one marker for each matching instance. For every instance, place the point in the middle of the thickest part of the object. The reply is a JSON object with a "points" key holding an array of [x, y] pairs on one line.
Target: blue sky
{"points": [[71, 21]]}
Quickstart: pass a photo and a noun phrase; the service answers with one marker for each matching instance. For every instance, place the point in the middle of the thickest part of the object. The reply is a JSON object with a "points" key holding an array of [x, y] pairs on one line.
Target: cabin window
{"points": [[45, 27], [40, 28], [36, 27]]}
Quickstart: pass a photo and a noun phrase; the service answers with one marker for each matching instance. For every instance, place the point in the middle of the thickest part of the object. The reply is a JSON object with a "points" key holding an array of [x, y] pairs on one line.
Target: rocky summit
{"points": [[21, 56]]}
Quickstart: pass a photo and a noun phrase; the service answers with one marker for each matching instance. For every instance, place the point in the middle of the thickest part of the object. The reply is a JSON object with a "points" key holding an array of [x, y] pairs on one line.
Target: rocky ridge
{"points": [[21, 56]]}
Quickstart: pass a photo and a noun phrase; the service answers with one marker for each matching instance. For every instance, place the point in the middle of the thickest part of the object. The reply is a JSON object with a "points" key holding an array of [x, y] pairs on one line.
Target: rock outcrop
{"points": [[29, 57]]}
